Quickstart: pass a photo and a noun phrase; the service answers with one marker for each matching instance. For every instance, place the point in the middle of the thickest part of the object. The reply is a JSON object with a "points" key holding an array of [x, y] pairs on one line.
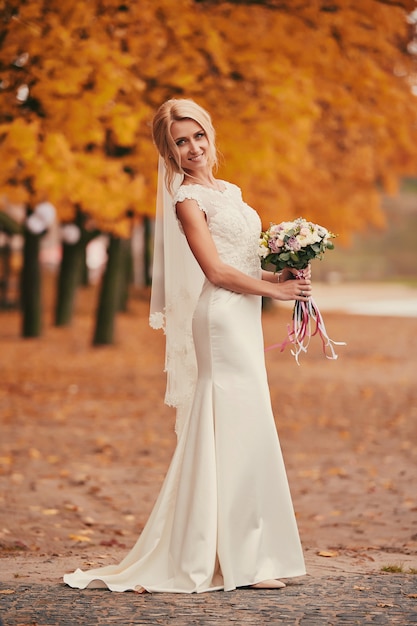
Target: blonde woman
{"points": [[224, 517]]}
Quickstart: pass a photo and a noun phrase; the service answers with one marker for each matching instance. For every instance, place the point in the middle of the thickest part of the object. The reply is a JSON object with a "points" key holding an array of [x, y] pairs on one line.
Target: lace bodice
{"points": [[234, 225]]}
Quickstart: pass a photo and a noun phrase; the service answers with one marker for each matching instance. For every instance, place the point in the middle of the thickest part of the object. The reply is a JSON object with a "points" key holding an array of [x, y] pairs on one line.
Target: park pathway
{"points": [[342, 600]]}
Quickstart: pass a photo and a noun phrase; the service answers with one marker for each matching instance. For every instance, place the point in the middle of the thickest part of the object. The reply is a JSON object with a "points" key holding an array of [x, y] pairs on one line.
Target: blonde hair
{"points": [[174, 111]]}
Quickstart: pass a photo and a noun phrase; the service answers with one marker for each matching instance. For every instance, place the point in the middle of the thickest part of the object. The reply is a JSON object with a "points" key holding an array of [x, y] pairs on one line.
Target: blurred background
{"points": [[314, 104]]}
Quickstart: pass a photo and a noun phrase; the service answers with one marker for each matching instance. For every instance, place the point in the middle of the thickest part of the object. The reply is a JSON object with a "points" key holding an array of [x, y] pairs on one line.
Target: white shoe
{"points": [[268, 584]]}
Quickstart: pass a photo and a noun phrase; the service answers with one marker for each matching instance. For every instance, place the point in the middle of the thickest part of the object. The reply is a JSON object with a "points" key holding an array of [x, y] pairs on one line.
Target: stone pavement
{"points": [[376, 599]]}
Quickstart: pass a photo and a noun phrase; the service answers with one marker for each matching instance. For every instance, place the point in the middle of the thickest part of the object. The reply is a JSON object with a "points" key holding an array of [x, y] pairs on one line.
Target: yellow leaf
{"points": [[337, 471], [7, 591], [22, 138], [16, 194], [71, 507], [53, 459], [327, 553], [50, 511], [16, 477], [79, 538], [124, 125]]}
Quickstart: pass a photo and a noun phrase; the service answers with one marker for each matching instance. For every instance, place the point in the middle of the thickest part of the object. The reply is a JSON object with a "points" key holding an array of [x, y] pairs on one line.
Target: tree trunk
{"points": [[85, 279], [109, 294], [126, 274], [5, 272], [68, 281], [9, 227], [31, 286]]}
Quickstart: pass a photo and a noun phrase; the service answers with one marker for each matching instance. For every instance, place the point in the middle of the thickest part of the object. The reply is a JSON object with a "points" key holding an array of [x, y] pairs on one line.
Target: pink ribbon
{"points": [[305, 315]]}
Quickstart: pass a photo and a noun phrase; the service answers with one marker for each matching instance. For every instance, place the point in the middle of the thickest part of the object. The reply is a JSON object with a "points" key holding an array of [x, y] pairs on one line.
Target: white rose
{"points": [[263, 251]]}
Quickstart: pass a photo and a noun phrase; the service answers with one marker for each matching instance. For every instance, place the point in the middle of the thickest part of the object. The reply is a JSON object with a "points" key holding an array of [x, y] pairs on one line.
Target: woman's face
{"points": [[193, 146]]}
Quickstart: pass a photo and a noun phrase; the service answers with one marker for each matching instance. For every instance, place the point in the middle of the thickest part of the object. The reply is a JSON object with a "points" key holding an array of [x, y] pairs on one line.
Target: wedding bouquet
{"points": [[295, 244]]}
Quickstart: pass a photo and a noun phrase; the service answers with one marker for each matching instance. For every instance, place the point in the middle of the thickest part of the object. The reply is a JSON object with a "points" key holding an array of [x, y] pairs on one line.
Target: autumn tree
{"points": [[311, 102], [325, 100], [66, 130]]}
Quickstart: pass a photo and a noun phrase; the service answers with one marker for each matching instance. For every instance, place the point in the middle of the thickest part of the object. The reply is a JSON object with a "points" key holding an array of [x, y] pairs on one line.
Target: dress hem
{"points": [[92, 584]]}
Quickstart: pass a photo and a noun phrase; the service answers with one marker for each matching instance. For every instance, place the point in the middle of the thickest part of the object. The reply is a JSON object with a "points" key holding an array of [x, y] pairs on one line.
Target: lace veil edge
{"points": [[177, 281]]}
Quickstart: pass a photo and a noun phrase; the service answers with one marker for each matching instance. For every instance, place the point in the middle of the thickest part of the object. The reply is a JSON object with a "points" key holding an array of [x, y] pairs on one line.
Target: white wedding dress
{"points": [[224, 516]]}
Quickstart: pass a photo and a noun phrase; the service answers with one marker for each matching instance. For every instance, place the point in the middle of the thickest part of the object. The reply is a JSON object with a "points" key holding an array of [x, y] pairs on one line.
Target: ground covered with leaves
{"points": [[86, 441]]}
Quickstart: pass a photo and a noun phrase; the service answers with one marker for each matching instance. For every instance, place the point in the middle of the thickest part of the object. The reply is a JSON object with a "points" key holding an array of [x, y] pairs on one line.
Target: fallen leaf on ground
{"points": [[71, 507], [112, 542], [337, 471], [50, 511], [327, 553], [79, 538], [34, 453]]}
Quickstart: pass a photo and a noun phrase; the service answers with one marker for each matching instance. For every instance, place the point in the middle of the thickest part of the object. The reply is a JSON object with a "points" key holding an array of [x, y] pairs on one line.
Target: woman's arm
{"points": [[199, 239], [271, 277]]}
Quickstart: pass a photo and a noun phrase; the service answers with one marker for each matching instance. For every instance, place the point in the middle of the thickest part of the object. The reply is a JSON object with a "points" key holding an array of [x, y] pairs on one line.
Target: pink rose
{"points": [[293, 244], [275, 244]]}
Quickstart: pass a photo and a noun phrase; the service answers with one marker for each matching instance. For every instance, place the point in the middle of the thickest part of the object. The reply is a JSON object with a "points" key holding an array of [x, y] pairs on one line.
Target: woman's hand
{"points": [[293, 286], [299, 289], [289, 273]]}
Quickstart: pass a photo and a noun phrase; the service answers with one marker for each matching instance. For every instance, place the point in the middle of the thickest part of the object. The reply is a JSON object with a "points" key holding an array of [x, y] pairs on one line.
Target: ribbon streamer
{"points": [[305, 316]]}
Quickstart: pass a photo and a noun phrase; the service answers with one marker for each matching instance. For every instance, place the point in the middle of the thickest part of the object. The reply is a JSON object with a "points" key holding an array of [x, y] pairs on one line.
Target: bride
{"points": [[224, 517]]}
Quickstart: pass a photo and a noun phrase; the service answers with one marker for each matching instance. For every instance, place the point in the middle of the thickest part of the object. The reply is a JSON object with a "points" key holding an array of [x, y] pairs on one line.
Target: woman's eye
{"points": [[199, 135]]}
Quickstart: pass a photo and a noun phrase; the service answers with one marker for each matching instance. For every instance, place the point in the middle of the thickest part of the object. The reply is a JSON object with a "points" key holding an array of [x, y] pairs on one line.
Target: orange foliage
{"points": [[311, 102]]}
